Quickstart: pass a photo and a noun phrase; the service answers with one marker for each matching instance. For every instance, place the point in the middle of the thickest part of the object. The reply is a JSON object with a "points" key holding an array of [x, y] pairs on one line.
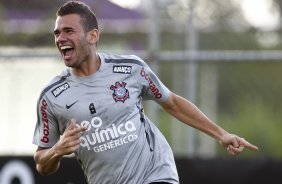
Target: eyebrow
{"points": [[64, 29]]}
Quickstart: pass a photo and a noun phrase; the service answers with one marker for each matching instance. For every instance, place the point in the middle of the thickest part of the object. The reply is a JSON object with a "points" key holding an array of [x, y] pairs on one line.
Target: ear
{"points": [[93, 36]]}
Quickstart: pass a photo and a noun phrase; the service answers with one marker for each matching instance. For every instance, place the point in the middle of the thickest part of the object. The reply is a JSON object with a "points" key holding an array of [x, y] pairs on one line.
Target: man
{"points": [[94, 110]]}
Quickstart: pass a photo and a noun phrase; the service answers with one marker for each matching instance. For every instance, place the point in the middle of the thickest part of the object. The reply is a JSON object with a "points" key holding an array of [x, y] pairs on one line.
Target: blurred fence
{"points": [[239, 90]]}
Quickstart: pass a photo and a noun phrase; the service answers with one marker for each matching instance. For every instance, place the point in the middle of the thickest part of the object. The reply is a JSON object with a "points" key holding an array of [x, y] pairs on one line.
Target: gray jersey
{"points": [[121, 145]]}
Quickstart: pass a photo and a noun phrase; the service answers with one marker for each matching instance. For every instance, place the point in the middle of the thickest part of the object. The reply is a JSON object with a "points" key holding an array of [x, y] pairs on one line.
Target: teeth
{"points": [[66, 47]]}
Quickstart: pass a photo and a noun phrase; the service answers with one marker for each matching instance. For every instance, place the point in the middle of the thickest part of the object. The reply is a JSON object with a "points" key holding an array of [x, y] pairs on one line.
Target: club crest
{"points": [[120, 92]]}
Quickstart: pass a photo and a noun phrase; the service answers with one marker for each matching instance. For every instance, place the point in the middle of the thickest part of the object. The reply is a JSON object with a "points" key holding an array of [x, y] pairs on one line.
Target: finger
{"points": [[235, 151], [241, 148], [244, 143], [248, 145], [74, 133], [71, 149], [75, 148], [74, 142], [235, 141], [230, 150], [79, 130], [72, 124], [74, 145], [83, 128], [231, 139]]}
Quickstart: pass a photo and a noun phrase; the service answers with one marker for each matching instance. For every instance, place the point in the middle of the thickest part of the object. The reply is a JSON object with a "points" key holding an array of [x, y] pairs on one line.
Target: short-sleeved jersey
{"points": [[121, 145]]}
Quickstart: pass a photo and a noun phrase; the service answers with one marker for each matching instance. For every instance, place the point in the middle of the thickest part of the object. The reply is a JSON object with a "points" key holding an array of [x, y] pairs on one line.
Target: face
{"points": [[71, 40]]}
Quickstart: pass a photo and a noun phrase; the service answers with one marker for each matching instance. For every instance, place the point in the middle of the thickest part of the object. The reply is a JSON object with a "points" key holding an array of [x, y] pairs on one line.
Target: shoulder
{"points": [[122, 59], [56, 85]]}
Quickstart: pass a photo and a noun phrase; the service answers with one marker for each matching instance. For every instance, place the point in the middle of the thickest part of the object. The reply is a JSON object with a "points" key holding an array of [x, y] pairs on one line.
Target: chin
{"points": [[68, 63]]}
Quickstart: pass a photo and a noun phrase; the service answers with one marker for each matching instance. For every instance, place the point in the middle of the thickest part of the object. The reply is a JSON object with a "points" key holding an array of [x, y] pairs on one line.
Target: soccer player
{"points": [[94, 110]]}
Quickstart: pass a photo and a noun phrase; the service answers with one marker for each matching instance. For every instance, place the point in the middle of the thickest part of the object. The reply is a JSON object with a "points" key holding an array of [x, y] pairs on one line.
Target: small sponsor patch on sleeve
{"points": [[58, 90], [122, 69]]}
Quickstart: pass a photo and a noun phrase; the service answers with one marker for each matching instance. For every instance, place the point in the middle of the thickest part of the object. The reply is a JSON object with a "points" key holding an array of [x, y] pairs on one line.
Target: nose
{"points": [[60, 38]]}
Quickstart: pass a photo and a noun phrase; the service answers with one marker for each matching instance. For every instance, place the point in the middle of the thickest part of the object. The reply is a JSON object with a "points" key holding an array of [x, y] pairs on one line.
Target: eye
{"points": [[56, 33], [69, 30]]}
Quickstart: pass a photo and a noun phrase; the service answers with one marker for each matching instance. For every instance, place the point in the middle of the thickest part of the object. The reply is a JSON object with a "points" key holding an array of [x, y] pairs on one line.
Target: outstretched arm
{"points": [[188, 113], [48, 159]]}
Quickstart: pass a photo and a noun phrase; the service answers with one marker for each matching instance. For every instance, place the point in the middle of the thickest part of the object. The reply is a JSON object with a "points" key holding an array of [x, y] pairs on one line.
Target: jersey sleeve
{"points": [[152, 86], [46, 132]]}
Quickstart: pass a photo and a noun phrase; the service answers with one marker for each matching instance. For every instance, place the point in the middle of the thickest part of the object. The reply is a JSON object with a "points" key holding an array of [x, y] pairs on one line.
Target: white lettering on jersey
{"points": [[104, 139], [58, 90], [122, 69]]}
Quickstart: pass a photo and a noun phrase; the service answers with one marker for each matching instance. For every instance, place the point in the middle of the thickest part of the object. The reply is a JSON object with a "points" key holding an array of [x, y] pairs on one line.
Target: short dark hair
{"points": [[88, 18]]}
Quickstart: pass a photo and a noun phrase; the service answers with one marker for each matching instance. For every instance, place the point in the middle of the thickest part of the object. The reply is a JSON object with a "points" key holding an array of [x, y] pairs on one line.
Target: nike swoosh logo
{"points": [[69, 106]]}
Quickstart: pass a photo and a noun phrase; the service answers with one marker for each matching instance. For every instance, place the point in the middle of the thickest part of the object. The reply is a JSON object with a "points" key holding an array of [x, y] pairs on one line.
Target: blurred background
{"points": [[223, 55]]}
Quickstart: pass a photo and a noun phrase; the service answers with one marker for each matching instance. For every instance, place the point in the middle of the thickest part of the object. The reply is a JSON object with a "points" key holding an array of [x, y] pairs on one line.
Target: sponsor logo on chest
{"points": [[58, 90], [99, 139], [122, 69]]}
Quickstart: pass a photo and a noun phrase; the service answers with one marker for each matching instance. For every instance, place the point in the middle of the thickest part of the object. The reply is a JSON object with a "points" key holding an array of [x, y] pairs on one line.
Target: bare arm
{"points": [[48, 159], [188, 113]]}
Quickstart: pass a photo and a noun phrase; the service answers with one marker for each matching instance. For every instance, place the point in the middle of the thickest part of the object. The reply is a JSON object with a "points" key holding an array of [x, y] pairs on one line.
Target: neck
{"points": [[88, 67]]}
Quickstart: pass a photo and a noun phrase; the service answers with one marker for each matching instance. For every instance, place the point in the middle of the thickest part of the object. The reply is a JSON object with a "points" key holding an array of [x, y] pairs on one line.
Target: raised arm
{"points": [[188, 113], [48, 159]]}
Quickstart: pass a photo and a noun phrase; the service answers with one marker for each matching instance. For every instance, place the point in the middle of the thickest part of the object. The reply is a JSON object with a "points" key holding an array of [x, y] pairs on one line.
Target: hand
{"points": [[235, 144], [69, 141]]}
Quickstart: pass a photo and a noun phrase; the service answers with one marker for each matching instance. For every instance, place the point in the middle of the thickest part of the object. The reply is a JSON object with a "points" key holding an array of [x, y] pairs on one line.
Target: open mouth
{"points": [[67, 51]]}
